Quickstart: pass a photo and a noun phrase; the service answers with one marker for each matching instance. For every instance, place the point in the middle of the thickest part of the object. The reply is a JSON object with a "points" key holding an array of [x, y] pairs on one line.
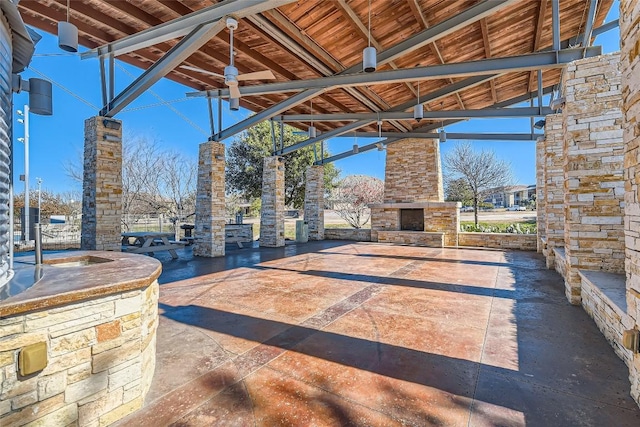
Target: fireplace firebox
{"points": [[412, 219]]}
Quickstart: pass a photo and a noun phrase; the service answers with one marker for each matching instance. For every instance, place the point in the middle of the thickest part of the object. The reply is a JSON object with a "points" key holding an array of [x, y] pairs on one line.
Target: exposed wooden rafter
{"points": [[422, 21], [487, 52], [542, 10]]}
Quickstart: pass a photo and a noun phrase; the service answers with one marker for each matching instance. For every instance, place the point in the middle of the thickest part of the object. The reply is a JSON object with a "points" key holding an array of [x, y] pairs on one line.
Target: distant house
{"points": [[513, 195]]}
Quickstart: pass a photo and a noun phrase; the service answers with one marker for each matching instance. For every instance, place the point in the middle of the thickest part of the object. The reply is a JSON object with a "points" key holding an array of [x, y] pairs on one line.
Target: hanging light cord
{"points": [[418, 93], [311, 108], [369, 23], [68, 7]]}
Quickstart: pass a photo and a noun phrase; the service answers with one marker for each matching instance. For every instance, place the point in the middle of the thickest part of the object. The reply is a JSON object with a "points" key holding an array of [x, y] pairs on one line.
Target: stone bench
{"points": [[418, 238], [560, 261], [604, 300]]}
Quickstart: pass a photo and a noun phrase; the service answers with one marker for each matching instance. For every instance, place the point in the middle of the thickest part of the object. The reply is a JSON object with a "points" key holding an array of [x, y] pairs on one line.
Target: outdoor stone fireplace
{"points": [[413, 211]]}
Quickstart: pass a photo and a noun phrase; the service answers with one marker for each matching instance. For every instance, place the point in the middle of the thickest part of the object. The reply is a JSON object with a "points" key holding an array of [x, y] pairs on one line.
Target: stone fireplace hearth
{"points": [[414, 211]]}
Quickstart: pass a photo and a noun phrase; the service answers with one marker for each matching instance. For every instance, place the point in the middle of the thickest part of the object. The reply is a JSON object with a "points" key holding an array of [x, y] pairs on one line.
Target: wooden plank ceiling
{"points": [[334, 33]]}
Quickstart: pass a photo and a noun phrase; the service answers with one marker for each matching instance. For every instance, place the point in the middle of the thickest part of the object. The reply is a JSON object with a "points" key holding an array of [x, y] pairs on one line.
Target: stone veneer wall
{"points": [[314, 202], [414, 238], [554, 187], [599, 301], [593, 165], [272, 210], [524, 242], [359, 235], [540, 193], [102, 186], [630, 58], [209, 232], [101, 359], [413, 172]]}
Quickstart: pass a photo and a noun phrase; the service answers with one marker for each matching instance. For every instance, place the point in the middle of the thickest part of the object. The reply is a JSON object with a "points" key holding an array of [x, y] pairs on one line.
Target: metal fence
{"points": [[66, 235]]}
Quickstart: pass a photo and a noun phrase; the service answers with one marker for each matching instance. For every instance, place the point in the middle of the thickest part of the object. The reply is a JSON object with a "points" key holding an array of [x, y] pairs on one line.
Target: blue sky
{"points": [[58, 139]]}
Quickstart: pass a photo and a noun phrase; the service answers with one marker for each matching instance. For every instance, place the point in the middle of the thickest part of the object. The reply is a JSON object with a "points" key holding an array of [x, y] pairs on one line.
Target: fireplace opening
{"points": [[412, 219]]}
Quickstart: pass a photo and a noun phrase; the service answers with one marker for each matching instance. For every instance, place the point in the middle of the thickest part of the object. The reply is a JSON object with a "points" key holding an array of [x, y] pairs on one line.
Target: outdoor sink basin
{"points": [[79, 262]]}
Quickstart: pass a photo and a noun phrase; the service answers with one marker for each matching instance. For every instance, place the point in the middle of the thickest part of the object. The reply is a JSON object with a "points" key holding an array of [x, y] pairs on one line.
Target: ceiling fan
{"points": [[231, 76]]}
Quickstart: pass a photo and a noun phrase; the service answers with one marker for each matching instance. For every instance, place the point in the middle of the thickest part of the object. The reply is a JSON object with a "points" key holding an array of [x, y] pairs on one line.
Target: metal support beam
{"points": [[211, 120], [430, 127], [184, 25], [454, 135], [112, 77], [529, 62], [181, 51], [555, 23], [485, 113], [430, 35], [438, 94], [591, 16]]}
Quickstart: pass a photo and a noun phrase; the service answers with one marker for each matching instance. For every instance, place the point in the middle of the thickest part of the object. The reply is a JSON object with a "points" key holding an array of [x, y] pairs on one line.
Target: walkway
{"points": [[337, 334]]}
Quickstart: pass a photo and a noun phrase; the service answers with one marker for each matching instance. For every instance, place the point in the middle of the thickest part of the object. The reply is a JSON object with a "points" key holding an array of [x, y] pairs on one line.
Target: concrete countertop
{"points": [[70, 277]]}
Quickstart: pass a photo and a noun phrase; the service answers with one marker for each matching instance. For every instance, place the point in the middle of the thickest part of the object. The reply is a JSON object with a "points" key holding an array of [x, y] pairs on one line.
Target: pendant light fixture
{"points": [[379, 126], [234, 104], [417, 109], [369, 53], [442, 135], [312, 128], [67, 34]]}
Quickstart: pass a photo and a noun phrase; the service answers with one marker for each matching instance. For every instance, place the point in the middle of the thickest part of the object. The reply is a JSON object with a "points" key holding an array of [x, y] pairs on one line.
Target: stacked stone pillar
{"points": [[540, 193], [314, 202], [209, 232], [554, 187], [413, 172], [102, 185], [593, 165], [272, 211], [630, 61]]}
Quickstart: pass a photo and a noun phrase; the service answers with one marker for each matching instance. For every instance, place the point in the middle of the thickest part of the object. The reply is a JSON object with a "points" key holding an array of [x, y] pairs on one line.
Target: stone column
{"points": [[593, 165], [272, 211], [102, 185], [413, 172], [554, 187], [209, 234], [540, 193], [314, 202], [630, 56]]}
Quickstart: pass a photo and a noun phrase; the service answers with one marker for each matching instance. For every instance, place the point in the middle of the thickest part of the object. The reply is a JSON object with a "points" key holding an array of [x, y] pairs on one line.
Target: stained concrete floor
{"points": [[338, 334]]}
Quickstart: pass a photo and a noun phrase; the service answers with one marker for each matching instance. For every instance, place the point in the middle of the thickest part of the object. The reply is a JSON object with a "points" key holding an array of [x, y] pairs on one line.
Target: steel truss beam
{"points": [[454, 135], [430, 35], [430, 127], [433, 96], [529, 62], [181, 51], [183, 25], [534, 61], [485, 113]]}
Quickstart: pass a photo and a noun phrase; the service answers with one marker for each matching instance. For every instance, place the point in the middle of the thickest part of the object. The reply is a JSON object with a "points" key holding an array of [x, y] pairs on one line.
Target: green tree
{"points": [[245, 160]]}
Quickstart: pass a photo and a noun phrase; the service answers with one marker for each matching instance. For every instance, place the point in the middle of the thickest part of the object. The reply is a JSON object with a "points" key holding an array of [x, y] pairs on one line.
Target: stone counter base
{"points": [[101, 359], [524, 242], [418, 238]]}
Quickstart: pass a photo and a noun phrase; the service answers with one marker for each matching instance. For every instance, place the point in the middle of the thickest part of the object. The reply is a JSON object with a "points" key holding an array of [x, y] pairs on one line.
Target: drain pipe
{"points": [[38, 239]]}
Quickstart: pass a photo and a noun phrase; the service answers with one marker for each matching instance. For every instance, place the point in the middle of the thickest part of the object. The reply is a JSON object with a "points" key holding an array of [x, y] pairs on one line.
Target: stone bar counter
{"points": [[78, 347]]}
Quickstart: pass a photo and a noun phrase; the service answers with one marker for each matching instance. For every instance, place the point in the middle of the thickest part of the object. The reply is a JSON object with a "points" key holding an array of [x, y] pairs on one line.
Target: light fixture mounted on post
{"points": [[67, 34], [540, 124], [369, 61]]}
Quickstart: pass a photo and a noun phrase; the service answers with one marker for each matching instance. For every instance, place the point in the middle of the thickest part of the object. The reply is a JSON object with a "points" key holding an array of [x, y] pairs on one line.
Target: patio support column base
{"points": [[314, 202], [102, 185], [272, 210], [209, 232]]}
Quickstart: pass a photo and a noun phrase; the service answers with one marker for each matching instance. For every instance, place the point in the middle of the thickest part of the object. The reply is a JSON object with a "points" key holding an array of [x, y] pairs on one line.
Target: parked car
{"points": [[466, 209], [516, 208]]}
